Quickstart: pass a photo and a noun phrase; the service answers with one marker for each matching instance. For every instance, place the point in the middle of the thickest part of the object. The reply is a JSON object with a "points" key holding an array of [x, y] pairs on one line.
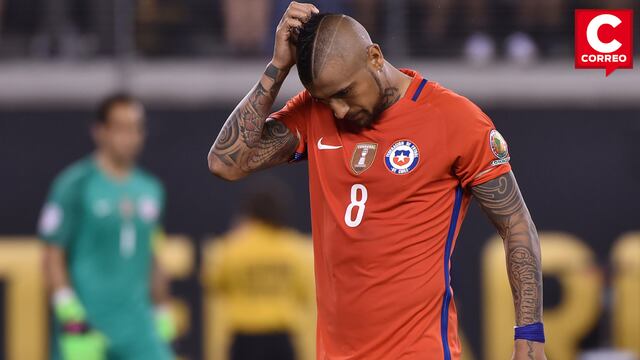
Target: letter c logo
{"points": [[592, 33]]}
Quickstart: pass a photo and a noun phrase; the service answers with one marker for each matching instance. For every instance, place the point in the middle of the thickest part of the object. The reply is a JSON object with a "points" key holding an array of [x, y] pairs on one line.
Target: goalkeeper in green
{"points": [[99, 221]]}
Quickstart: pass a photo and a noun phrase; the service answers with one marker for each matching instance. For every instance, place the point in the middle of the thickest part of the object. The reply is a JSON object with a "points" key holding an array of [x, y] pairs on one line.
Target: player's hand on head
{"points": [[284, 52]]}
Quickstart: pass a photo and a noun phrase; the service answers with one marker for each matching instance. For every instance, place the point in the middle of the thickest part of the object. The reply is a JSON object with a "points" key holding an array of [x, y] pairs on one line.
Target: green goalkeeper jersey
{"points": [[106, 227]]}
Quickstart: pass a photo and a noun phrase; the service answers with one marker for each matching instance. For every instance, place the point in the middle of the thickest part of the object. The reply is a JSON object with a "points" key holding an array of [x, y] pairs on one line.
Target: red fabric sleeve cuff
{"points": [[491, 174]]}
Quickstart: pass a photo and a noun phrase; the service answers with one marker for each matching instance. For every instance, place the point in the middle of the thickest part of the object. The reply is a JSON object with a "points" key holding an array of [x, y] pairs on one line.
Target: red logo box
{"points": [[604, 39]]}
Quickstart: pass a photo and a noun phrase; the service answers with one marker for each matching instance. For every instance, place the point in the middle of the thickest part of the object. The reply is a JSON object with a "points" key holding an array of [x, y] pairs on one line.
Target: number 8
{"points": [[360, 204]]}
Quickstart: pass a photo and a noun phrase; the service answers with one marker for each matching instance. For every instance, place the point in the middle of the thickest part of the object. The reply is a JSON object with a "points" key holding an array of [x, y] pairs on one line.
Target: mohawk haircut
{"points": [[305, 47]]}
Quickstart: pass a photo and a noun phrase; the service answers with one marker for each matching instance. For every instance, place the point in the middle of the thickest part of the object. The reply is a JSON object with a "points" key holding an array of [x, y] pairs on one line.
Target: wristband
{"points": [[67, 307], [75, 328], [531, 332]]}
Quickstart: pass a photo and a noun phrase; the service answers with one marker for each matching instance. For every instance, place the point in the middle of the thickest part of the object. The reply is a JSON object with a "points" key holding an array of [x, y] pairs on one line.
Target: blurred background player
{"points": [[263, 282], [99, 224]]}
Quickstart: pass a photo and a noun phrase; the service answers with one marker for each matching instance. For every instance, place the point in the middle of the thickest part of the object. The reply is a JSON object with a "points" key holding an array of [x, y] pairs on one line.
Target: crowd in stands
{"points": [[479, 30]]}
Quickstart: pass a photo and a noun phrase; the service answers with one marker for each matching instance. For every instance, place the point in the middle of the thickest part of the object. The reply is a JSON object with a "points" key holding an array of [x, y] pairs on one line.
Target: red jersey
{"points": [[386, 206]]}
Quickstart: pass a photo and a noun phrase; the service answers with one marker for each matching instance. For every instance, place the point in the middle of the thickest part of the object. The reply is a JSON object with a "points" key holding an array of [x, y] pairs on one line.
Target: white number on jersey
{"points": [[127, 239], [355, 203]]}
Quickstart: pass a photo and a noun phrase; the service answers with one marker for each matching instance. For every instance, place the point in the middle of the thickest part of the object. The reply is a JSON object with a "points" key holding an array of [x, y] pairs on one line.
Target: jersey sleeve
{"points": [[481, 153], [59, 217], [295, 116], [162, 203]]}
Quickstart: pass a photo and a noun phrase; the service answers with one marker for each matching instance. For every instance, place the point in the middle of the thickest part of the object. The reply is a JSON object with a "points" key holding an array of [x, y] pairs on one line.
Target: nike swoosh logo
{"points": [[322, 146]]}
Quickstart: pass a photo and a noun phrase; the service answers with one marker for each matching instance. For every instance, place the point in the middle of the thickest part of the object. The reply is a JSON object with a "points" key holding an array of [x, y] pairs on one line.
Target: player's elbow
{"points": [[230, 175], [223, 171]]}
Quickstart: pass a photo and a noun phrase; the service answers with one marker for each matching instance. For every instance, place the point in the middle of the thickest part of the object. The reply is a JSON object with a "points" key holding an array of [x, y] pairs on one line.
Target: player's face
{"points": [[354, 95], [122, 135]]}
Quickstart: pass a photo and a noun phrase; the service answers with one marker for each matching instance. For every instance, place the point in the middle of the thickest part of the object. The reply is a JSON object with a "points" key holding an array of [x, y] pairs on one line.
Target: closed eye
{"points": [[342, 93], [319, 100]]}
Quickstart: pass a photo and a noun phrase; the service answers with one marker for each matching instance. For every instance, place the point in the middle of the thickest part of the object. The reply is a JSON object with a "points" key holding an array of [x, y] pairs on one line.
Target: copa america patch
{"points": [[402, 157], [499, 148], [148, 209], [50, 219]]}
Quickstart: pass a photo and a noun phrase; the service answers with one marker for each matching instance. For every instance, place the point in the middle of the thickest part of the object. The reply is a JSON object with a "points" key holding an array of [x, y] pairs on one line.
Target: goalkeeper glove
{"points": [[165, 325], [78, 341], [84, 345]]}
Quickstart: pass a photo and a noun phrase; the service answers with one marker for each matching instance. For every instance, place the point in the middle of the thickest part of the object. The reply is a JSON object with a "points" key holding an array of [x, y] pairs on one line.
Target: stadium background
{"points": [[572, 133]]}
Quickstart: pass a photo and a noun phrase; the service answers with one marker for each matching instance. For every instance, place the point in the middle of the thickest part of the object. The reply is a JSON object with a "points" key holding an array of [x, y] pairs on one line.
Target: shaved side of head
{"points": [[330, 39], [342, 69], [339, 39]]}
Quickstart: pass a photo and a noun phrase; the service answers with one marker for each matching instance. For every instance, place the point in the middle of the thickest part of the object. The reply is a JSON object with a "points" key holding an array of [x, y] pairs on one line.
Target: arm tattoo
{"points": [[501, 200], [276, 146], [272, 72], [247, 140], [530, 351]]}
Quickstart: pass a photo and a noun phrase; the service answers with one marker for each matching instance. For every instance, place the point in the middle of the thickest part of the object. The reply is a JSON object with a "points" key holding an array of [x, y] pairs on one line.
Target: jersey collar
{"points": [[417, 85]]}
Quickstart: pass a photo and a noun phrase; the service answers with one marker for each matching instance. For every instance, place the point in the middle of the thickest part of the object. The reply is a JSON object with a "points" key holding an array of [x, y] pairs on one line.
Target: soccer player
{"points": [[394, 160], [99, 224]]}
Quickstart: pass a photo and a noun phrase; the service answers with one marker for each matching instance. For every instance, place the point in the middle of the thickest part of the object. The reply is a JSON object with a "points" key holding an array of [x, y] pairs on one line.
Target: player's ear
{"points": [[375, 59]]}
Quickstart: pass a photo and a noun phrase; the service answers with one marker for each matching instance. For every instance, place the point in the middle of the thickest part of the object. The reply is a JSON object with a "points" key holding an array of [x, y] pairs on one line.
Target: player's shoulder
{"points": [[446, 99], [293, 236], [455, 109], [302, 98], [72, 177], [304, 95], [299, 104], [239, 236]]}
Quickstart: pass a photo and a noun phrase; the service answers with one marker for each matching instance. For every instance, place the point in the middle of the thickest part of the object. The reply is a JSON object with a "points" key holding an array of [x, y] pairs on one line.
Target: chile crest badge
{"points": [[402, 157]]}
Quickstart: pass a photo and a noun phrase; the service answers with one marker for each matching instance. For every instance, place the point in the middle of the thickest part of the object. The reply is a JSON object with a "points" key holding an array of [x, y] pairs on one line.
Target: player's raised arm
{"points": [[501, 200], [249, 141]]}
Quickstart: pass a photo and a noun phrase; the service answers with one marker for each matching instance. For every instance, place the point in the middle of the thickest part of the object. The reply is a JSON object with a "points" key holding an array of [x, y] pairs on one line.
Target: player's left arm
{"points": [[502, 201], [160, 295], [159, 284]]}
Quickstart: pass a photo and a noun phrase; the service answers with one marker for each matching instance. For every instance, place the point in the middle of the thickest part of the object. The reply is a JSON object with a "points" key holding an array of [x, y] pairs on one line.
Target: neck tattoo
{"points": [[390, 94]]}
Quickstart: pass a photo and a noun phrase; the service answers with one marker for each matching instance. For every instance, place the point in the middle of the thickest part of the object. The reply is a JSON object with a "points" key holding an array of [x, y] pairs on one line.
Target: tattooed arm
{"points": [[501, 200], [248, 141]]}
